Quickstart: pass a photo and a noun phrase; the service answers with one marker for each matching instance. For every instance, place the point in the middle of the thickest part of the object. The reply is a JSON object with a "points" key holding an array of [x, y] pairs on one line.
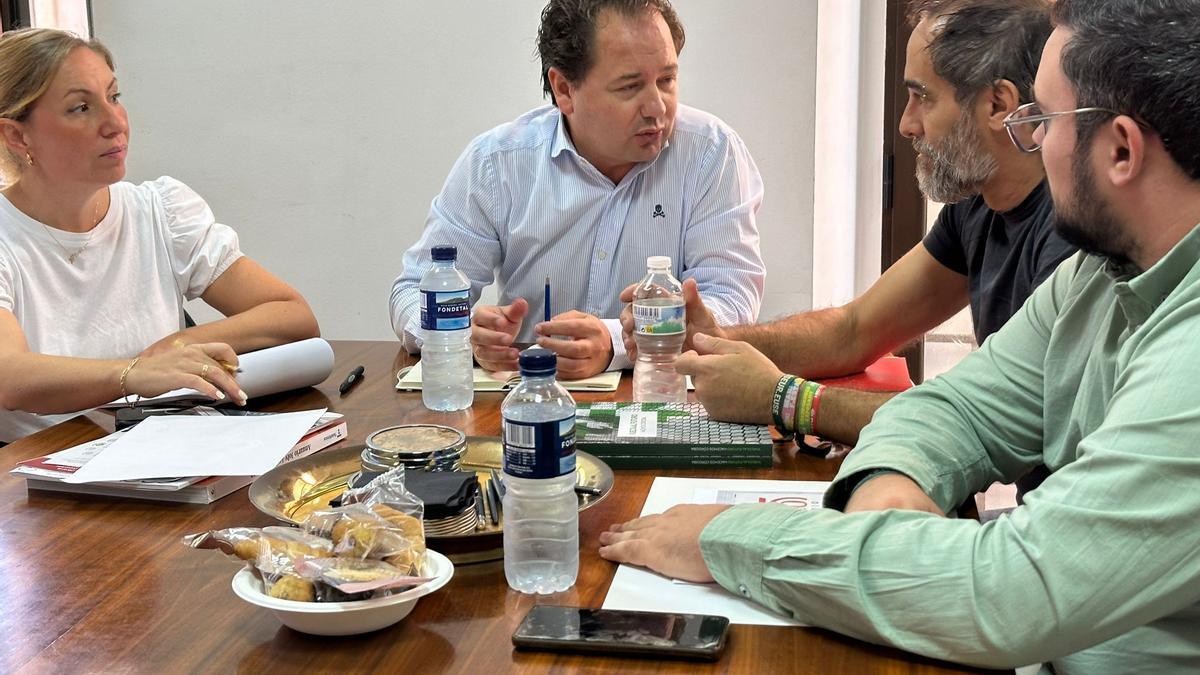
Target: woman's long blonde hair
{"points": [[29, 60]]}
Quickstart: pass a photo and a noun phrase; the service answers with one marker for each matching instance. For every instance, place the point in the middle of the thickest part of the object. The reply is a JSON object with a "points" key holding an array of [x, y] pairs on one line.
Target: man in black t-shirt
{"points": [[1004, 256], [970, 64]]}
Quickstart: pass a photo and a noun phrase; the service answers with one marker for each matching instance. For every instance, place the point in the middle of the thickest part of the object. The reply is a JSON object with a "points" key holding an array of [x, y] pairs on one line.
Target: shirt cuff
{"points": [[620, 360], [736, 543], [849, 485], [860, 465]]}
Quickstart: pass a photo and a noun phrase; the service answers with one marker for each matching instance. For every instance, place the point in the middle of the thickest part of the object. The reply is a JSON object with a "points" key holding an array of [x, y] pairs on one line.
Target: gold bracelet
{"points": [[125, 374]]}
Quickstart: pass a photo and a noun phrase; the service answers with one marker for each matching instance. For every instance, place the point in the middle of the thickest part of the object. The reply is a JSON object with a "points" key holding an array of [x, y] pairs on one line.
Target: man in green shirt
{"points": [[1099, 571]]}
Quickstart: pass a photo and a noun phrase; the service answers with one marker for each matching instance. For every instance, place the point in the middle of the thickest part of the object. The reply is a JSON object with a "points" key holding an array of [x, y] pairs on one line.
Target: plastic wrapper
{"points": [[389, 490], [246, 543], [371, 546], [382, 521], [272, 552], [371, 532], [349, 579]]}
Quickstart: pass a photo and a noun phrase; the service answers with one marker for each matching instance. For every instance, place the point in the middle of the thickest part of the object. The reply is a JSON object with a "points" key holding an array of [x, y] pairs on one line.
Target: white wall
{"points": [[848, 208], [321, 130]]}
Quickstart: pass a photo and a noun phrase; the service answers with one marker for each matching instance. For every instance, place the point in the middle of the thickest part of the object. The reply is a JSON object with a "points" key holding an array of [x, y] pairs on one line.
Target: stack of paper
{"points": [[184, 457]]}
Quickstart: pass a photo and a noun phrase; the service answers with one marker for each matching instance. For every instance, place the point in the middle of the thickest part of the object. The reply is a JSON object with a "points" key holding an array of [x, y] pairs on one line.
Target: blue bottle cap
{"points": [[444, 253], [538, 362]]}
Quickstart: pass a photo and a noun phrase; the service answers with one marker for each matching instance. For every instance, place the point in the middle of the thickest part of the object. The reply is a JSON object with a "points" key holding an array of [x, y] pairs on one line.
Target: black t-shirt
{"points": [[1003, 255]]}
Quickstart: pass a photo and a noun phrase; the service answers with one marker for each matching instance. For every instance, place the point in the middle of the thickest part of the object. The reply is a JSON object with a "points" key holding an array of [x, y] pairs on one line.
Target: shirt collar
{"points": [[1141, 294], [562, 141], [1028, 206]]}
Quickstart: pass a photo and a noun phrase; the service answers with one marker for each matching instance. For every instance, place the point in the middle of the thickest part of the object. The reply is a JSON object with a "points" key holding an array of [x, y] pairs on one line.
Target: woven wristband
{"points": [[804, 407], [789, 403], [777, 400]]}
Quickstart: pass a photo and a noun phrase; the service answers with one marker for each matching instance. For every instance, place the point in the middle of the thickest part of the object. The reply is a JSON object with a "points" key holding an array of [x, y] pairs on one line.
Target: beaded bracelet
{"points": [[124, 375]]}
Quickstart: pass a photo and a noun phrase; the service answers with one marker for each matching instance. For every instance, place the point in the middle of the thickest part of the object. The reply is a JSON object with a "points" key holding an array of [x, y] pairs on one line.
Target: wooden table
{"points": [[91, 584]]}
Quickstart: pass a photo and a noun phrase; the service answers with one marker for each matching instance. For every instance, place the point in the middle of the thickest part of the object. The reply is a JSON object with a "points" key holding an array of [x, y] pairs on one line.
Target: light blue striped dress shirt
{"points": [[521, 204]]}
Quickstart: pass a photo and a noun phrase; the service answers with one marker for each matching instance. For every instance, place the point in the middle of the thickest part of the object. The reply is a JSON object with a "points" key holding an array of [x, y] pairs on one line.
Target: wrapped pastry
{"points": [[272, 553], [359, 531], [411, 558], [245, 543], [292, 587], [349, 579]]}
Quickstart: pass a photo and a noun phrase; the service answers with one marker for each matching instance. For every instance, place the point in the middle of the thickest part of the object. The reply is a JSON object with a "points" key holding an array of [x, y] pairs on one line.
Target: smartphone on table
{"points": [[607, 631]]}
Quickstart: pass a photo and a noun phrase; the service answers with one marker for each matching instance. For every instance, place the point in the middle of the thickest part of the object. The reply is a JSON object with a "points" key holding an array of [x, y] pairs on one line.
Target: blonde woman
{"points": [[94, 271]]}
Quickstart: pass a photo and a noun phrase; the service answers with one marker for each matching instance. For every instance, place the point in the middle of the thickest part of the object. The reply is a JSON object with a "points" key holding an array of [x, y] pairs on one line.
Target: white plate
{"points": [[345, 618]]}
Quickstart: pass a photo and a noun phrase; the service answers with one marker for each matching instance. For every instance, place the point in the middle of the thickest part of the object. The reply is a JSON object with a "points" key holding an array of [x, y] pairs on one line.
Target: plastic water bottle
{"points": [[541, 512], [446, 367], [660, 328]]}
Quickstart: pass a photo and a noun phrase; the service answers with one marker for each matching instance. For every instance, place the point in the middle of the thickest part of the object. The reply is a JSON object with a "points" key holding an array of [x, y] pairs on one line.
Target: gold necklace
{"points": [[91, 233]]}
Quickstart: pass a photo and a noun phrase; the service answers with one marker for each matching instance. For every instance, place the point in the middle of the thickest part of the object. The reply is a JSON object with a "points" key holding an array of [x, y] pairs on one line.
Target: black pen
{"points": [[493, 497], [351, 380], [588, 490]]}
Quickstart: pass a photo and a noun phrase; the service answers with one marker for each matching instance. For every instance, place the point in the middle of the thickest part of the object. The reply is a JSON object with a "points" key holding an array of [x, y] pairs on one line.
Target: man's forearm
{"points": [[820, 343], [844, 412]]}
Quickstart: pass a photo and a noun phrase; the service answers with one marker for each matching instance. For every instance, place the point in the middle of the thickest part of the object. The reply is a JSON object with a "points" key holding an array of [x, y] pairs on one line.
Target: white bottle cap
{"points": [[659, 262]]}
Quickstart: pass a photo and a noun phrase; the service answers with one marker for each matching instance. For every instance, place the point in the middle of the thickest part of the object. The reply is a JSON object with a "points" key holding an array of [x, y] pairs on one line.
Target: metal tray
{"points": [[290, 492]]}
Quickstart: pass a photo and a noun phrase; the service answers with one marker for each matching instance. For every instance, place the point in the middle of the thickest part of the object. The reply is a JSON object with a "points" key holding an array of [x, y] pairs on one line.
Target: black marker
{"points": [[351, 380]]}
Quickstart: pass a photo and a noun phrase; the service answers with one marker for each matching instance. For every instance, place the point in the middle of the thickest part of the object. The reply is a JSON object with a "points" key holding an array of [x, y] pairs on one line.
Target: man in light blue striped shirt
{"points": [[582, 191]]}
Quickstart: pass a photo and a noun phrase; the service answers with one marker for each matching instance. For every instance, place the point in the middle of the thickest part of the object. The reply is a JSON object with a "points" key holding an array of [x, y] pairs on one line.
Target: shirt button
{"points": [[603, 255], [743, 590]]}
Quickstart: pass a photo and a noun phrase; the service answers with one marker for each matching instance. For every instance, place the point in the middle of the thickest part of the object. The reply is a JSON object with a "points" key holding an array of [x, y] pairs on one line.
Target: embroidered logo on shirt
{"points": [[658, 212]]}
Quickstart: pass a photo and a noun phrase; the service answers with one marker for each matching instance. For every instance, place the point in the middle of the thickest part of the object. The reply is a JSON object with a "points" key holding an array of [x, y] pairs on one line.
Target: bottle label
{"points": [[659, 319], [539, 449], [446, 310]]}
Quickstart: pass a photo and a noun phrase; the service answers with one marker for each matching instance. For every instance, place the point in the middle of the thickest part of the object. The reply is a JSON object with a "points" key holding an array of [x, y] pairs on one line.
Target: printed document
{"points": [[189, 445], [636, 588]]}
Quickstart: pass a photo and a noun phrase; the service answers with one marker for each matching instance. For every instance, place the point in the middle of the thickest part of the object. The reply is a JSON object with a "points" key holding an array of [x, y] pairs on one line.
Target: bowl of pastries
{"points": [[344, 618], [350, 569]]}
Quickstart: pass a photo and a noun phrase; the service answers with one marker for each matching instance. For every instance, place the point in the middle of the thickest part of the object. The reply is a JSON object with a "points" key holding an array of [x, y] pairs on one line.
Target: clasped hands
{"points": [[582, 341]]}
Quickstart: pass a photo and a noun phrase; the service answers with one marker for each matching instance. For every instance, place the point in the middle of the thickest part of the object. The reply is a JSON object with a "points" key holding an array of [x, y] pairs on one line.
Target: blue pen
{"points": [[547, 305]]}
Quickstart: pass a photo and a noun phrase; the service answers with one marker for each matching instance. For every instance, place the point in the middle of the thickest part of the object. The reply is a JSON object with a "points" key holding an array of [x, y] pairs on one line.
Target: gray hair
{"points": [[977, 43]]}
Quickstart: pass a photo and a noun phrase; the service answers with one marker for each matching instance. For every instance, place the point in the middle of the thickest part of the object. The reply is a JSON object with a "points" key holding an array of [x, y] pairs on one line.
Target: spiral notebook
{"points": [[410, 379]]}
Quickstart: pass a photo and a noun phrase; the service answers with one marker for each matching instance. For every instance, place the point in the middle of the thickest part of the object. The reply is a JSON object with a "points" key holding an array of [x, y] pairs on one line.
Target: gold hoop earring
{"points": [[29, 158]]}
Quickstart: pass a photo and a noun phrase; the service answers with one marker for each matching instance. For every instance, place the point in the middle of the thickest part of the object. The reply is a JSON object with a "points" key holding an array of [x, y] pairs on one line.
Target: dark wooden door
{"points": [[903, 203]]}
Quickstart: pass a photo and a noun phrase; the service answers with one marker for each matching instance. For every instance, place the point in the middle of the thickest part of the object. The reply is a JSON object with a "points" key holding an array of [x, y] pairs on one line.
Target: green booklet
{"points": [[630, 435]]}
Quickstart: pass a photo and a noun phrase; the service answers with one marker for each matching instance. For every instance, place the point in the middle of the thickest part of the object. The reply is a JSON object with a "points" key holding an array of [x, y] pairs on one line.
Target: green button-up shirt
{"points": [[1097, 376]]}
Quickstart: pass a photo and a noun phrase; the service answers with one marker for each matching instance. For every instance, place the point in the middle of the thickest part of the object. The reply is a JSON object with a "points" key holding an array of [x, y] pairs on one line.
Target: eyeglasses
{"points": [[1026, 125]]}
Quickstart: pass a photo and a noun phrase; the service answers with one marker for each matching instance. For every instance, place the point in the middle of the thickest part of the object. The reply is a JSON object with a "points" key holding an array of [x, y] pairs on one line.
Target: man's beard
{"points": [[1087, 221], [958, 168]]}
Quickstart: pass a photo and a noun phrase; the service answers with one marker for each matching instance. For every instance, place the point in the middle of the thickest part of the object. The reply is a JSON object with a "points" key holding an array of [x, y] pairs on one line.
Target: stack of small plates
{"points": [[432, 447], [454, 525]]}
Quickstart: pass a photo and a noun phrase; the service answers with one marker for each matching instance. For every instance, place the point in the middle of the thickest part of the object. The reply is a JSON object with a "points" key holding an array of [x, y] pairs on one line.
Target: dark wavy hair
{"points": [[1140, 58], [567, 35], [976, 43]]}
